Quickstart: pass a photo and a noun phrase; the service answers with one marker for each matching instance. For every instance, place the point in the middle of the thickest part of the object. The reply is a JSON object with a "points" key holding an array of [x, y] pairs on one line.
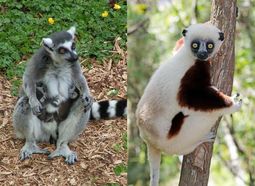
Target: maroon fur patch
{"points": [[196, 91], [177, 122]]}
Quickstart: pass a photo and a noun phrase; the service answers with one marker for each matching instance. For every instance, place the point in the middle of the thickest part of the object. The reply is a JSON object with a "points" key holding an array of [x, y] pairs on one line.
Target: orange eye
{"points": [[62, 50]]}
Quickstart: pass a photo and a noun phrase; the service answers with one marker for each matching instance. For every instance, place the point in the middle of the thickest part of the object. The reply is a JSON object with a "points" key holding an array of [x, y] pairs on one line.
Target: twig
{"points": [[230, 167], [138, 26]]}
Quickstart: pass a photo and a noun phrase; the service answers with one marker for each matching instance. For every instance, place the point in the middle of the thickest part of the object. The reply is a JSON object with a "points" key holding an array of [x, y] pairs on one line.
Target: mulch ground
{"points": [[97, 156]]}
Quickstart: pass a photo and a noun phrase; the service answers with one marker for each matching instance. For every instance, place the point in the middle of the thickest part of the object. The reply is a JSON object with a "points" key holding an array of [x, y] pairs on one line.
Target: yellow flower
{"points": [[116, 7], [51, 21], [140, 8], [105, 14]]}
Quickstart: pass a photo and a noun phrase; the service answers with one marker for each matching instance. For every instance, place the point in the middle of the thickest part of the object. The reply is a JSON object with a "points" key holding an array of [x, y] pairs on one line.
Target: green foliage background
{"points": [[24, 23], [155, 39]]}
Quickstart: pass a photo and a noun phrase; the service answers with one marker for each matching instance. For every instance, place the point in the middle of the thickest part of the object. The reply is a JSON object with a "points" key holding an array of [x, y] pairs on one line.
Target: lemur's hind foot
{"points": [[63, 150], [237, 102], [31, 148]]}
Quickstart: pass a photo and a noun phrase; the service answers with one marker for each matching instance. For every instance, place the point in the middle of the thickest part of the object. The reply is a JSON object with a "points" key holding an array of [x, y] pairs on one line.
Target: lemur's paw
{"points": [[237, 102], [55, 101], [87, 102], [36, 107], [27, 151], [72, 93], [24, 105]]}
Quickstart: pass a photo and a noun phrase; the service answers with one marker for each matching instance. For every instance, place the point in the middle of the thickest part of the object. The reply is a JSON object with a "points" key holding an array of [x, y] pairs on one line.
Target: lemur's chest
{"points": [[59, 81]]}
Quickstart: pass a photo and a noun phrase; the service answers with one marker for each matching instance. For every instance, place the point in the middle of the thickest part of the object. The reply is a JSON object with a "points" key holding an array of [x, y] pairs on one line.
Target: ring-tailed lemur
{"points": [[180, 105], [55, 104], [55, 65]]}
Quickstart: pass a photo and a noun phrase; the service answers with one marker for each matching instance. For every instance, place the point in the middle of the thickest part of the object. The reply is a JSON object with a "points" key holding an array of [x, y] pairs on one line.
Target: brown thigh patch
{"points": [[177, 123]]}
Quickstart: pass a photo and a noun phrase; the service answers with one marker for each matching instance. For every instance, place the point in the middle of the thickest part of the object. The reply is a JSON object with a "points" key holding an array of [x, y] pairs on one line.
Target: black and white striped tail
{"points": [[108, 109]]}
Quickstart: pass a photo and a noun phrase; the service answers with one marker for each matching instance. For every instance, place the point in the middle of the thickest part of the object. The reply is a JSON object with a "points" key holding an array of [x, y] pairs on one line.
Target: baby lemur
{"points": [[180, 105], [55, 103]]}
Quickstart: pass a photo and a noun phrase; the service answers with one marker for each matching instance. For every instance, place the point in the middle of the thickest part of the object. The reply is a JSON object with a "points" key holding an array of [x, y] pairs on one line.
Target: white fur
{"points": [[95, 110], [202, 31], [125, 112], [37, 128], [159, 105], [50, 128], [58, 81], [72, 31], [48, 42], [112, 108], [51, 109], [68, 44]]}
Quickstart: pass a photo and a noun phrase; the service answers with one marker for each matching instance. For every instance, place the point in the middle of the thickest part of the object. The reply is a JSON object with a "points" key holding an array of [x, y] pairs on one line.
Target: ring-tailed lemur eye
{"points": [[195, 45], [62, 50]]}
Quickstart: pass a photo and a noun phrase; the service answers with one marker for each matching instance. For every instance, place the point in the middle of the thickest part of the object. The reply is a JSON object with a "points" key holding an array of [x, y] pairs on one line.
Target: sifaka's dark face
{"points": [[202, 48]]}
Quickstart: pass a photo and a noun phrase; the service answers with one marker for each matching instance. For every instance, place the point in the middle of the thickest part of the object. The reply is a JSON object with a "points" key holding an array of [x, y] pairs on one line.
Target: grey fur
{"points": [[60, 37]]}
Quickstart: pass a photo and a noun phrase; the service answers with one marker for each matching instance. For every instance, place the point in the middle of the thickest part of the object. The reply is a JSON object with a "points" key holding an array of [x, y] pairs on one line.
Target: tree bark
{"points": [[196, 165]]}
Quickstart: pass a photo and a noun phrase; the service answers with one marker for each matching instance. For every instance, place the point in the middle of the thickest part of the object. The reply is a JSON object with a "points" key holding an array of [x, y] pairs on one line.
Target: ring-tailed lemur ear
{"points": [[72, 31], [48, 43], [221, 38], [184, 32]]}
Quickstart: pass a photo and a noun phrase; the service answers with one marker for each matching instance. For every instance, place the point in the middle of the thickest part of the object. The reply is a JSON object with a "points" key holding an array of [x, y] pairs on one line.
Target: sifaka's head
{"points": [[202, 40], [61, 46]]}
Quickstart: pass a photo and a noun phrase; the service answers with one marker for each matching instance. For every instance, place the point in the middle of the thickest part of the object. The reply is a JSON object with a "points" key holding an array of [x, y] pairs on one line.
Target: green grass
{"points": [[118, 169], [24, 23], [118, 147]]}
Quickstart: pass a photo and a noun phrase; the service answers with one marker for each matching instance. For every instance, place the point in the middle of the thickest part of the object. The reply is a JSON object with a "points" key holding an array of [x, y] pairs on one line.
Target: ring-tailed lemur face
{"points": [[203, 40], [61, 46]]}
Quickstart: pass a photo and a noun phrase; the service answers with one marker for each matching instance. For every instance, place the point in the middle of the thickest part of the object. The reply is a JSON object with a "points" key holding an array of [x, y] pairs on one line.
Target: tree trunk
{"points": [[196, 165]]}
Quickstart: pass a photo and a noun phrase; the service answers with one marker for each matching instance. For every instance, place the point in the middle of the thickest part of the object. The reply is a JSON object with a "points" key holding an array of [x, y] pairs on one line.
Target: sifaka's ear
{"points": [[184, 32], [221, 34], [72, 31], [47, 43]]}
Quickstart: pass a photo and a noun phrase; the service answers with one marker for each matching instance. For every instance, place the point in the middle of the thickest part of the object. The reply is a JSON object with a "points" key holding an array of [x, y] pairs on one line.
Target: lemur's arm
{"points": [[80, 81], [81, 84], [205, 99], [29, 86]]}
